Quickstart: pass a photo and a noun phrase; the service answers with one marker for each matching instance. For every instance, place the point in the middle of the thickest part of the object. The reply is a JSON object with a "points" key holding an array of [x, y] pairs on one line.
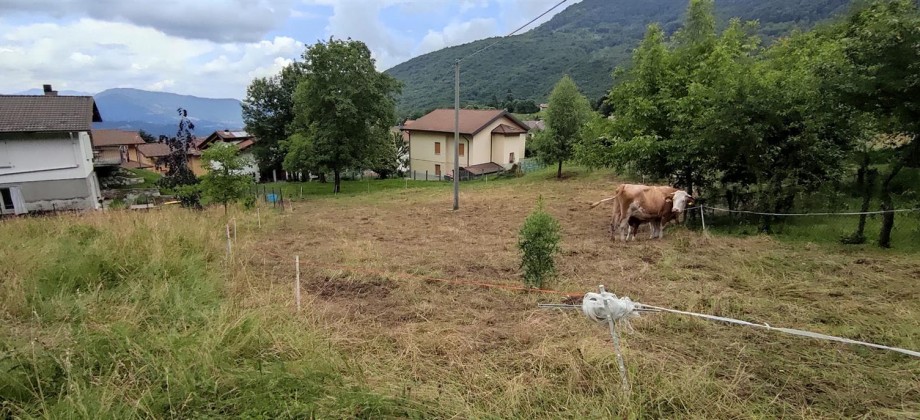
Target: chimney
{"points": [[48, 91]]}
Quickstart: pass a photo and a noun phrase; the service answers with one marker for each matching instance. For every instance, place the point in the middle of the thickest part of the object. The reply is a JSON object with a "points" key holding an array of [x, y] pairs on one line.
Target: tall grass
{"points": [[134, 315]]}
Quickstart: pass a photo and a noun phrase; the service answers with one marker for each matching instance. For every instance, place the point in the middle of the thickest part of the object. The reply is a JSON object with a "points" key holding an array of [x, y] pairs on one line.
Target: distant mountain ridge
{"points": [[587, 40], [156, 112]]}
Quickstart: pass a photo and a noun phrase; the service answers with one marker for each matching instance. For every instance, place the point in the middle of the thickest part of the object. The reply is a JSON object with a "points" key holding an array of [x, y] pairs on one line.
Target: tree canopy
{"points": [[721, 115], [567, 114], [268, 112], [343, 107], [225, 181]]}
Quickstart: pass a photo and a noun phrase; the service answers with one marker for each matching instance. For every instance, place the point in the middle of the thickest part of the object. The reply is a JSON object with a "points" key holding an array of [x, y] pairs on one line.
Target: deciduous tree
{"points": [[567, 115], [268, 112], [342, 105]]}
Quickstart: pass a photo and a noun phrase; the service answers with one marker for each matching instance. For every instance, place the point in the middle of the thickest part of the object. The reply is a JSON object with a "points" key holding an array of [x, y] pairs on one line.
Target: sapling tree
{"points": [[226, 182], [538, 241]]}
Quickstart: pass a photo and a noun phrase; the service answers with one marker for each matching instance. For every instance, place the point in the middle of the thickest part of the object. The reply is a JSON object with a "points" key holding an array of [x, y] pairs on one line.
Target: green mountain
{"points": [[587, 40]]}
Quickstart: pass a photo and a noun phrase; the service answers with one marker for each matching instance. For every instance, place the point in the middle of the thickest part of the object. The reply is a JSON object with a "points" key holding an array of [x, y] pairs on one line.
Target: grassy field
{"points": [[140, 314]]}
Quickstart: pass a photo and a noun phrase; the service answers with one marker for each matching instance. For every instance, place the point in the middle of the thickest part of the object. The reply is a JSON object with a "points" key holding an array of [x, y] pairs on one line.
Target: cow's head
{"points": [[680, 200]]}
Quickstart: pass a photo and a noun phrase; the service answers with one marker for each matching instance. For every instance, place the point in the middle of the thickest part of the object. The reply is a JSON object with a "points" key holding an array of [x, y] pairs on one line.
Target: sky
{"points": [[214, 48]]}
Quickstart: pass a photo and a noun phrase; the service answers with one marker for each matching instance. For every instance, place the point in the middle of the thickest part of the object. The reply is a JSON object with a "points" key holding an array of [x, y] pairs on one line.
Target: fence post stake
{"points": [[703, 217], [616, 345], [229, 244], [297, 282]]}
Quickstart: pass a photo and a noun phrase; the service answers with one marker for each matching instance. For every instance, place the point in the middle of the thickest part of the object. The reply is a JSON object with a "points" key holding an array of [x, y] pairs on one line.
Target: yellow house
{"points": [[490, 141], [117, 148], [151, 156]]}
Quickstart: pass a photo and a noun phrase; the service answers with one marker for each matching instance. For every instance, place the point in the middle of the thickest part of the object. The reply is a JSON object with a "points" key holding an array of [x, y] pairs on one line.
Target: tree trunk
{"points": [[338, 181], [884, 237], [225, 208], [688, 174], [322, 177], [559, 171], [865, 181]]}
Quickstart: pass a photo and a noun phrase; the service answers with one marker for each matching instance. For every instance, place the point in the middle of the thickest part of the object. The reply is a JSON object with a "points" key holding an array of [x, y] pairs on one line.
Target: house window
{"points": [[461, 148], [6, 198], [511, 157], [437, 148], [437, 170]]}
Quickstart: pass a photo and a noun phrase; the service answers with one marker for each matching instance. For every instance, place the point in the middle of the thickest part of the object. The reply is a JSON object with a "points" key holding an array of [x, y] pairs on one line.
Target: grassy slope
{"points": [[137, 313], [150, 179], [587, 41]]}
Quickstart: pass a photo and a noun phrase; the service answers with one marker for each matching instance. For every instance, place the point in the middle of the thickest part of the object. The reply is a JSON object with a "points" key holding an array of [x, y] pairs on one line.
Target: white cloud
{"points": [[161, 85], [458, 33], [466, 5], [215, 20], [72, 56], [360, 20]]}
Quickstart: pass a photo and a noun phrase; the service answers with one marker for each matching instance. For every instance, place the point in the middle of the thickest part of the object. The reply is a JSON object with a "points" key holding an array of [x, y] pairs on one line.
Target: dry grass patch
{"points": [[472, 352]]}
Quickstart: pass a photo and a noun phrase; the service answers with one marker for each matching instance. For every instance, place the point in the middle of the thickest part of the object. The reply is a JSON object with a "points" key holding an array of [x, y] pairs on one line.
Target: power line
{"points": [[513, 32], [456, 171]]}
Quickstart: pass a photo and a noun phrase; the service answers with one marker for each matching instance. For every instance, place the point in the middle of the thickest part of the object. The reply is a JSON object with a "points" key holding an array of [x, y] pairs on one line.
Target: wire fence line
{"points": [[635, 307], [857, 213]]}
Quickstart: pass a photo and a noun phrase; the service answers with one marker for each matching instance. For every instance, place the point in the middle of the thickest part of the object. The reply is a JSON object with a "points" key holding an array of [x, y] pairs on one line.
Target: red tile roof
{"points": [[152, 150], [102, 138], [472, 121], [30, 113], [245, 144], [507, 129], [484, 168]]}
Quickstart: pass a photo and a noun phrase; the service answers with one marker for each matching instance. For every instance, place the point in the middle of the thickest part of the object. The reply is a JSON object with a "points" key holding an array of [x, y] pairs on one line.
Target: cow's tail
{"points": [[602, 202]]}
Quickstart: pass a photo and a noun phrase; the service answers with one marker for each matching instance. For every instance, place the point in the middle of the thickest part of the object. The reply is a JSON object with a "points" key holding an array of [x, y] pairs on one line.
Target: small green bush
{"points": [[539, 243], [249, 202]]}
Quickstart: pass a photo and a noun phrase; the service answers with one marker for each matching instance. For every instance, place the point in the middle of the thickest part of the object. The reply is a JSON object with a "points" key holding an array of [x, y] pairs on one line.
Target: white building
{"points": [[46, 154]]}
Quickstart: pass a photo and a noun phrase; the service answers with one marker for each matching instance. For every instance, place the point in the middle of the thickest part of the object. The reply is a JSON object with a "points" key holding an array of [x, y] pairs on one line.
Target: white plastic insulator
{"points": [[602, 307]]}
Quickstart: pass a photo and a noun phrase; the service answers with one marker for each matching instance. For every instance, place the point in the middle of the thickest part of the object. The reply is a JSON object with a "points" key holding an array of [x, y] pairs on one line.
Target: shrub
{"points": [[538, 242]]}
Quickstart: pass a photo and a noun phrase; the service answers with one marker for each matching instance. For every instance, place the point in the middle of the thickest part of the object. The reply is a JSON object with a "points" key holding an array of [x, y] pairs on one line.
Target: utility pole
{"points": [[457, 135]]}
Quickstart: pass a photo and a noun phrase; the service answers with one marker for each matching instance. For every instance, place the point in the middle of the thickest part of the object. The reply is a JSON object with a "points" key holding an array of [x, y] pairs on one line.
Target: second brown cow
{"points": [[635, 204]]}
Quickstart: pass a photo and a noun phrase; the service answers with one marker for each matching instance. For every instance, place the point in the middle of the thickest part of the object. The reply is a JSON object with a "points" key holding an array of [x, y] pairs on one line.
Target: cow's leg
{"points": [[655, 225], [624, 229], [634, 228]]}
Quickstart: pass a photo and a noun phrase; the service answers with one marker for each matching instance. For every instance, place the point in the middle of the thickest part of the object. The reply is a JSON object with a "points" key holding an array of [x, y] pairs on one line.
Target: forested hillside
{"points": [[587, 41]]}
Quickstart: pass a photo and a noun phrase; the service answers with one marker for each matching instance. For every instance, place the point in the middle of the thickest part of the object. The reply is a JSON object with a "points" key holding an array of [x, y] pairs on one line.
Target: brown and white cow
{"points": [[637, 204]]}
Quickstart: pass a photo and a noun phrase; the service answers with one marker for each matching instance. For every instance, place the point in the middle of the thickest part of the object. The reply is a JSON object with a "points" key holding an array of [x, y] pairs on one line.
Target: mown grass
{"points": [[123, 314], [471, 352]]}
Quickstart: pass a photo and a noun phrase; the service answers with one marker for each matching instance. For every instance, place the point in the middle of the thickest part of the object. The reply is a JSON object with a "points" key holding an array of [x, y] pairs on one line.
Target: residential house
{"points": [[535, 125], [241, 139], [490, 141], [117, 148], [46, 154], [151, 155]]}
